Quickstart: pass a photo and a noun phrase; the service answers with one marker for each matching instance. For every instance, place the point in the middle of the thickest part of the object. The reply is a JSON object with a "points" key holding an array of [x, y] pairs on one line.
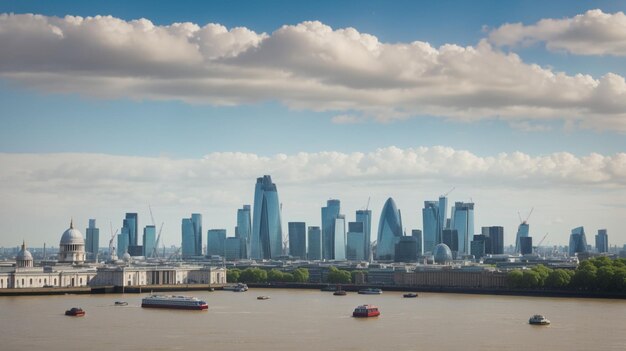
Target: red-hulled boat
{"points": [[75, 312], [366, 311]]}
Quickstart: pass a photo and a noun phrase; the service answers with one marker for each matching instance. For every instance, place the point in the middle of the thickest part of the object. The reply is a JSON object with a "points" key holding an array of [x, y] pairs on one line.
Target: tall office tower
{"points": [[244, 228], [365, 216], [215, 239], [389, 231], [149, 240], [93, 240], [494, 240], [196, 221], [188, 238], [233, 249], [526, 245], [602, 241], [314, 244], [133, 225], [267, 233], [450, 237], [478, 246], [122, 242], [443, 212], [522, 232], [417, 234], [297, 239], [463, 222], [329, 214], [577, 241], [355, 249], [339, 235], [430, 222], [406, 249]]}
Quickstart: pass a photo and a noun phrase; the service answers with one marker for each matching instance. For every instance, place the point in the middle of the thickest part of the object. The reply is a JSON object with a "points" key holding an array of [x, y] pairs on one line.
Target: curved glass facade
{"points": [[577, 241], [522, 232], [266, 221], [389, 231], [442, 254]]}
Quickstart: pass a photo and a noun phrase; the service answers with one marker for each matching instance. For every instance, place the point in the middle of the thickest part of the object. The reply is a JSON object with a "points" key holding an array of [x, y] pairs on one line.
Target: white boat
{"points": [[538, 320], [175, 302], [239, 287], [370, 291]]}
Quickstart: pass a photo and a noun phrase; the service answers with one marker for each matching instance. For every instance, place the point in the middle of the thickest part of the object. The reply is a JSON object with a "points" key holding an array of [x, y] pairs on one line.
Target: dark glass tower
{"points": [[329, 214], [297, 239], [267, 231]]}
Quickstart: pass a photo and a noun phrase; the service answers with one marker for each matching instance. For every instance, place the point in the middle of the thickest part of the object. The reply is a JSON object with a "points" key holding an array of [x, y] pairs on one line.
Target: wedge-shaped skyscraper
{"points": [[266, 221], [577, 241], [389, 231]]}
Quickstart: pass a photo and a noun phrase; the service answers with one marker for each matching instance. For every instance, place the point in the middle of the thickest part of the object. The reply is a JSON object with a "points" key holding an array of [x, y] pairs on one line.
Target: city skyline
{"points": [[109, 108]]}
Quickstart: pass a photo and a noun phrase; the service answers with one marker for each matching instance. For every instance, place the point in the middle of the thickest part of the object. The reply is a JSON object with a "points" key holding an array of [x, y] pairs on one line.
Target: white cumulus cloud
{"points": [[591, 33], [304, 66]]}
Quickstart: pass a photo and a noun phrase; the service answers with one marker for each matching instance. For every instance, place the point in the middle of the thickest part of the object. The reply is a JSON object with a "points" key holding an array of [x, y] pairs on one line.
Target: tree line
{"points": [[597, 274], [258, 275]]}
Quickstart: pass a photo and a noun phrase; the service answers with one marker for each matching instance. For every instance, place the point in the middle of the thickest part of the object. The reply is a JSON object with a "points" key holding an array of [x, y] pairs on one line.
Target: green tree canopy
{"points": [[558, 279], [232, 275], [253, 275], [338, 276], [301, 275]]}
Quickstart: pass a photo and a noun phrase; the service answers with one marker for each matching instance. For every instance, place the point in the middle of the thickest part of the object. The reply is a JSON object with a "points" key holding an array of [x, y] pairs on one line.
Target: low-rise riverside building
{"points": [[124, 276]]}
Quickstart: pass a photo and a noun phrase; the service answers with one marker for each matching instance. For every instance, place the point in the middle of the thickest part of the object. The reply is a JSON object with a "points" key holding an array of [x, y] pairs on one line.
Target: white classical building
{"points": [[159, 275]]}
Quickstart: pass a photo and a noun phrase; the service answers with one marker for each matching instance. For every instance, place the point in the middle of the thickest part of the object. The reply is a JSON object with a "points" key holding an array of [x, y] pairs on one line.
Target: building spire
{"points": [[23, 245], [72, 223]]}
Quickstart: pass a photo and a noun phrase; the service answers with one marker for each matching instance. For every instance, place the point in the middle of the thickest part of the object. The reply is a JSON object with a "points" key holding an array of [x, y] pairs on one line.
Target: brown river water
{"points": [[313, 320]]}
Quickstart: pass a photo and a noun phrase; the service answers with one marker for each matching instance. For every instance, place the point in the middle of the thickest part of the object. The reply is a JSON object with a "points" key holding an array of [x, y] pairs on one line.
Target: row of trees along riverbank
{"points": [[597, 274], [299, 275]]}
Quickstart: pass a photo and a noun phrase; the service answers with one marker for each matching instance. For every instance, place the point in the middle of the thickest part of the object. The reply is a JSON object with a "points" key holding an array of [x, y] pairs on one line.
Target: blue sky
{"points": [[66, 114]]}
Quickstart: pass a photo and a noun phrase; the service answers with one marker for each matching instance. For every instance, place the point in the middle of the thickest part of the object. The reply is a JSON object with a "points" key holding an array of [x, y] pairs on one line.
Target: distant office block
{"points": [[463, 222], [92, 244], [389, 231], [314, 243], [149, 241], [354, 250], [191, 229], [216, 239], [244, 228], [526, 245], [522, 232], [133, 225], [234, 248], [365, 217], [430, 223], [122, 242], [267, 232], [135, 250], [602, 241], [329, 214], [450, 237], [417, 234], [406, 249], [297, 239], [339, 234], [477, 246]]}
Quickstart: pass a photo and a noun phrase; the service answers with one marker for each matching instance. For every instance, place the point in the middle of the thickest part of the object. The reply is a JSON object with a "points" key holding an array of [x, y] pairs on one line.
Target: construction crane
{"points": [[112, 252], [174, 254], [449, 191], [151, 216], [155, 250], [531, 212], [367, 207], [542, 239]]}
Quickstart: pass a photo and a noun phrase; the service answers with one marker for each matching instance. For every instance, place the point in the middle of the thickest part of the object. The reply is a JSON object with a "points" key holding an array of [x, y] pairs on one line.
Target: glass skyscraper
{"points": [[149, 238], [122, 242], [93, 239], [339, 234], [417, 234], [233, 248], [267, 233], [389, 231], [133, 225], [430, 223], [577, 241], [329, 214], [355, 249], [365, 216], [314, 243], [602, 241], [297, 239], [215, 241], [522, 232], [463, 222], [244, 228], [192, 236]]}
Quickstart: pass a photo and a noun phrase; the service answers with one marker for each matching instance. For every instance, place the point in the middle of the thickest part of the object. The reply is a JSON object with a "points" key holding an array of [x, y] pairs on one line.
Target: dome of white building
{"points": [[442, 254], [72, 236], [72, 246], [24, 258]]}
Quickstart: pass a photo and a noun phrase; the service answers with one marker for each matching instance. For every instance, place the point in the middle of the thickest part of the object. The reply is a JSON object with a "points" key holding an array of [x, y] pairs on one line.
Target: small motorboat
{"points": [[263, 297], [340, 293], [538, 320], [121, 303], [366, 311], [410, 295], [370, 291], [75, 312]]}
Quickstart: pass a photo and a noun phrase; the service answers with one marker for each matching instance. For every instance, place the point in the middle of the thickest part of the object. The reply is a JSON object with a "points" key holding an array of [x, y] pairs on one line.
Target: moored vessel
{"points": [[340, 293], [538, 320], [121, 303], [239, 287], [370, 291], [174, 302], [75, 312], [263, 297], [410, 295], [366, 311]]}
